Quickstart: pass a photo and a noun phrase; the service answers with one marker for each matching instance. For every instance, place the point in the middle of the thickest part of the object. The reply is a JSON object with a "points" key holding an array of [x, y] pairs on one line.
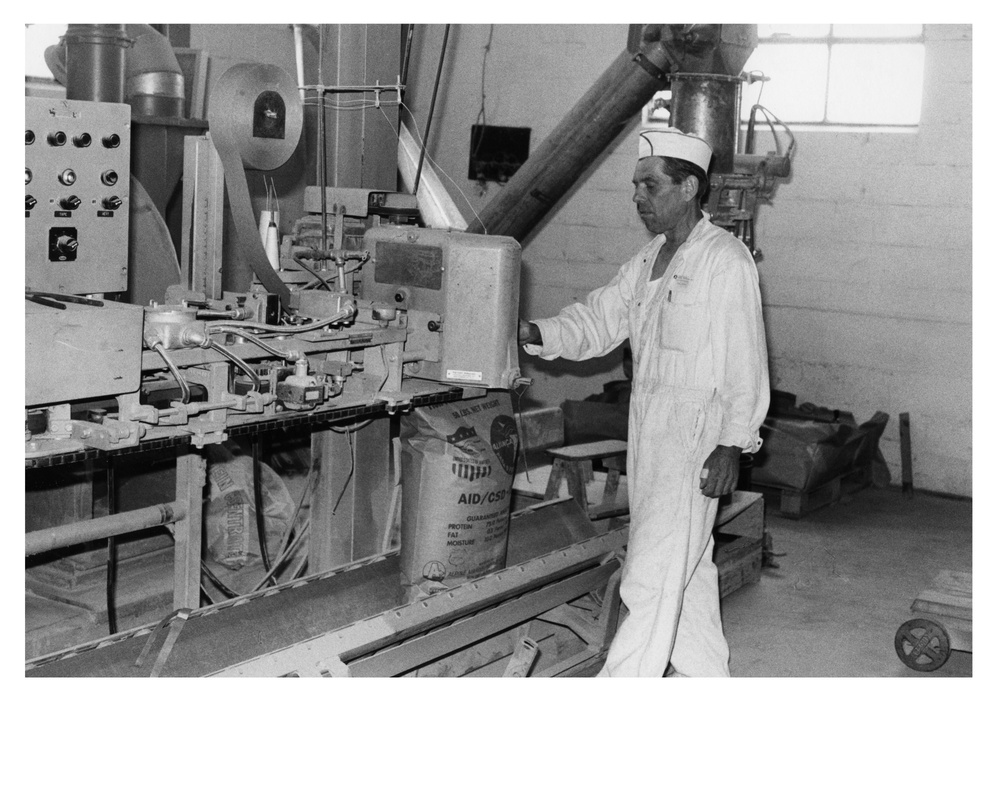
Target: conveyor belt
{"points": [[280, 422], [239, 631]]}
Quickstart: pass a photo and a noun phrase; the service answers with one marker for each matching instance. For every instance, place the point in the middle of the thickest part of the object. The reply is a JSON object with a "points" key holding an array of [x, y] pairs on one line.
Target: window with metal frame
{"points": [[839, 75]]}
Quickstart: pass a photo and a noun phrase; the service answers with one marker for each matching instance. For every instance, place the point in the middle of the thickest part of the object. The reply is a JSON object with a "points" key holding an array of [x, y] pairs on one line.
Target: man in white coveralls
{"points": [[689, 302]]}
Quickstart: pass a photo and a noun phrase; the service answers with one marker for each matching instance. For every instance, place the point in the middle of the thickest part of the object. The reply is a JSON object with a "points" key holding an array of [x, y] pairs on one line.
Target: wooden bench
{"points": [[574, 463]]}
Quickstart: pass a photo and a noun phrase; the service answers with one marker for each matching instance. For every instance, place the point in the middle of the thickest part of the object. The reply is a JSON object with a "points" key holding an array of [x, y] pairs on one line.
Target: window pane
{"points": [[797, 87], [875, 31], [876, 83], [36, 39], [798, 31]]}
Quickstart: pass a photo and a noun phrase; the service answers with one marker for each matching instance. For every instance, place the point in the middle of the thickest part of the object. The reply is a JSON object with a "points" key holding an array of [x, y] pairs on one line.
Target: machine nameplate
{"points": [[463, 375], [409, 265]]}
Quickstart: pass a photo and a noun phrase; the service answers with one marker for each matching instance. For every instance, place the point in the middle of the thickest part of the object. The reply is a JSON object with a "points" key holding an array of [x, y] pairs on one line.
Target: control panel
{"points": [[76, 195]]}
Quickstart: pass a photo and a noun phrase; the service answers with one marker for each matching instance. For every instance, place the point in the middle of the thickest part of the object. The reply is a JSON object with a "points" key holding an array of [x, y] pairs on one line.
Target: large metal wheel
{"points": [[922, 644]]}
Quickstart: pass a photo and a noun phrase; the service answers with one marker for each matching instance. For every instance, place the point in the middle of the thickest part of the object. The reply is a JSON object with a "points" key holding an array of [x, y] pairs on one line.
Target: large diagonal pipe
{"points": [[583, 134]]}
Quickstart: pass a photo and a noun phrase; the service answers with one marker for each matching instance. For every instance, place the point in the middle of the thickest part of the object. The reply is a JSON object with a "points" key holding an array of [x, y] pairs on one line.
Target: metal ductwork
{"points": [[608, 106], [132, 64]]}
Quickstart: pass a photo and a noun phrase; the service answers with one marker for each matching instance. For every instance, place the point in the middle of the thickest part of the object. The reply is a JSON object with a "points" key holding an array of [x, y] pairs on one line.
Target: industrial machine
{"points": [[358, 317]]}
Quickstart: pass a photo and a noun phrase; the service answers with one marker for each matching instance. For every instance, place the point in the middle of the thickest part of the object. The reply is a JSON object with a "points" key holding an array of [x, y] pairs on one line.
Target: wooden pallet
{"points": [[796, 503], [949, 601]]}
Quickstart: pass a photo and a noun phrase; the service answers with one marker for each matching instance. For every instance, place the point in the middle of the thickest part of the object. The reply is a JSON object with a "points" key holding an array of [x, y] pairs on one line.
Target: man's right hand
{"points": [[528, 333]]}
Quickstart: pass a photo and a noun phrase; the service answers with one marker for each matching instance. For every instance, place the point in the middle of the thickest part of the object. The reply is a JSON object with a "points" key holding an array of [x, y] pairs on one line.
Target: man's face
{"points": [[661, 203]]}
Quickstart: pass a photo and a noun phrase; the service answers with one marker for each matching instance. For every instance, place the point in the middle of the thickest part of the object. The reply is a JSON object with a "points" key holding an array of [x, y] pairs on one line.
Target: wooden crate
{"points": [[796, 503], [739, 541]]}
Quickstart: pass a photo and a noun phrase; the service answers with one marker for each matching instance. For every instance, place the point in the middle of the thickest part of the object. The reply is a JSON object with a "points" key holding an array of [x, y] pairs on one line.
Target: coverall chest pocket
{"points": [[680, 319]]}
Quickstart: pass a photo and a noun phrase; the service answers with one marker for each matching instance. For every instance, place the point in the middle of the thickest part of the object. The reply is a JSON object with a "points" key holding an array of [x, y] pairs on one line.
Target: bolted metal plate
{"points": [[922, 645]]}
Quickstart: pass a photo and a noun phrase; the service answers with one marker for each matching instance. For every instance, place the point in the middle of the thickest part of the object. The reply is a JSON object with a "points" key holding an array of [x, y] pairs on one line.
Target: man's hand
{"points": [[528, 333], [721, 469]]}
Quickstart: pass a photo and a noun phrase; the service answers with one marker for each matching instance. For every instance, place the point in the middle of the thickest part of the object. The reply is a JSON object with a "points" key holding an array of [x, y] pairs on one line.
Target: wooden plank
{"points": [[906, 458], [950, 605], [421, 649], [738, 502], [541, 429], [589, 450]]}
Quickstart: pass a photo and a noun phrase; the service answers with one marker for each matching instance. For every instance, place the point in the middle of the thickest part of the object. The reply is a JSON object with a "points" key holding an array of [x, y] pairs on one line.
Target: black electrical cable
{"points": [[214, 579], [316, 275], [258, 503], [112, 577], [249, 371], [430, 113]]}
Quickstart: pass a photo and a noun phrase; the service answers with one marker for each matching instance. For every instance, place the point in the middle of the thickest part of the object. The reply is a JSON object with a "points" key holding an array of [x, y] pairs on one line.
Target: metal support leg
{"points": [[188, 531]]}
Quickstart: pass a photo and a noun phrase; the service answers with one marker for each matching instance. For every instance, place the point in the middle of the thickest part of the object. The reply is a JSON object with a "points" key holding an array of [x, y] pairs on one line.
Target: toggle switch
{"points": [[70, 203], [112, 203]]}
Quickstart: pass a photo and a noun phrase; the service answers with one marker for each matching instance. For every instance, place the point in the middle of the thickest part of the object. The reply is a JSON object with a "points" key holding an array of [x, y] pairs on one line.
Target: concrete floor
{"points": [[843, 585]]}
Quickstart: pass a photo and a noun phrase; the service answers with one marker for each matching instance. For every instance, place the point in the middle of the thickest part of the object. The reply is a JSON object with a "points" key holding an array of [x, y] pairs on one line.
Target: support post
{"points": [[188, 531]]}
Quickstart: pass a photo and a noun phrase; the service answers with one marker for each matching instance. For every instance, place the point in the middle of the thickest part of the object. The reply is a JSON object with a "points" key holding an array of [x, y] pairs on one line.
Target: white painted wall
{"points": [[867, 275]]}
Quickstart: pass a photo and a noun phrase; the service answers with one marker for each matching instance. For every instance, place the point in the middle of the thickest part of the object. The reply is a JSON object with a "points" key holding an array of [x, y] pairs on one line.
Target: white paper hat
{"points": [[666, 141]]}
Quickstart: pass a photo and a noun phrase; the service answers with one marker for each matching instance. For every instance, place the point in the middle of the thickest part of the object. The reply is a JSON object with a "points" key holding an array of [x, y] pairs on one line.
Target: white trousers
{"points": [[669, 584]]}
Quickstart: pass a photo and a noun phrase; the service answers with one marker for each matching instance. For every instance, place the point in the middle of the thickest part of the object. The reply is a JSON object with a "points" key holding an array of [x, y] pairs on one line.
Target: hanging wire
{"points": [[430, 112], [437, 167], [482, 95], [316, 275]]}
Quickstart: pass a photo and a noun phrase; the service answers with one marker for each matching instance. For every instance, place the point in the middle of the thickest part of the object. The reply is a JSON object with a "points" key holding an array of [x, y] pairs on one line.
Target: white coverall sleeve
{"points": [[588, 329], [740, 348]]}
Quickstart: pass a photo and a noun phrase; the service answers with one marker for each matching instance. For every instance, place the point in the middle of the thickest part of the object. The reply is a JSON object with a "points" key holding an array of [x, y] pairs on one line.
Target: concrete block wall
{"points": [[867, 271]]}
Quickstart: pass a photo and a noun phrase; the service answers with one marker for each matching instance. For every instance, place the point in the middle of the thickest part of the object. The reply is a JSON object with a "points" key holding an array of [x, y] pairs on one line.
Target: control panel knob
{"points": [[70, 203], [66, 245], [29, 202], [112, 140], [112, 203], [57, 139], [82, 140]]}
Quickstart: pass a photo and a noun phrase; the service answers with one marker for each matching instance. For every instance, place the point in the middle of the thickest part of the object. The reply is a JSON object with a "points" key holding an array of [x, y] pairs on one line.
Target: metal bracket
{"points": [[650, 67]]}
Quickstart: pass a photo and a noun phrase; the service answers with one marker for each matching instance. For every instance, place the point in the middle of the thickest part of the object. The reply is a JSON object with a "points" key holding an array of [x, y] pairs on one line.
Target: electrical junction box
{"points": [[460, 292], [76, 195], [81, 351]]}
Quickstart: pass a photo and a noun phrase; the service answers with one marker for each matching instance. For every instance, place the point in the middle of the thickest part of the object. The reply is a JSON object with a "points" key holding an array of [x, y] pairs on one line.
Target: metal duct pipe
{"points": [[708, 106], [92, 530], [95, 62], [154, 83], [589, 127]]}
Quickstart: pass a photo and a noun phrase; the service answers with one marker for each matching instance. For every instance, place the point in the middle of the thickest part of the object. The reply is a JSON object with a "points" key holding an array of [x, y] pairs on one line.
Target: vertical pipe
{"points": [[300, 66], [708, 106], [322, 163], [112, 576], [430, 113], [95, 62]]}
